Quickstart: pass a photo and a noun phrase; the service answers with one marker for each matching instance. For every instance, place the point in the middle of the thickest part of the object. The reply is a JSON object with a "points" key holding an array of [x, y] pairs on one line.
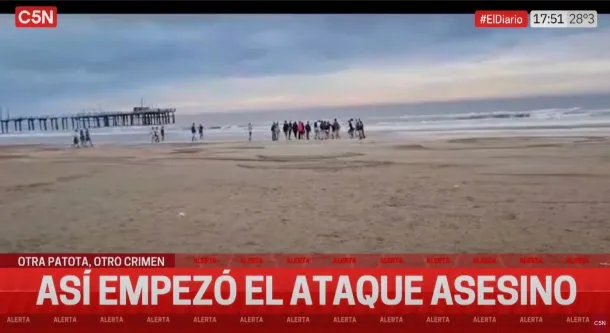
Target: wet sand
{"points": [[463, 195]]}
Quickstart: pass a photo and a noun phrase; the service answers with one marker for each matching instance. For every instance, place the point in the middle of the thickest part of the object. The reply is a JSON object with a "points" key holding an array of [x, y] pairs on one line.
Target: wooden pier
{"points": [[140, 116]]}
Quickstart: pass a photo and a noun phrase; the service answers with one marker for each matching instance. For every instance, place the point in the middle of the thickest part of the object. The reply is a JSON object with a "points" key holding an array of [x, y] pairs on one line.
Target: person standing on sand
{"points": [[88, 138], [82, 138], [285, 129], [362, 128], [300, 129], [162, 133], [272, 129], [337, 129], [193, 131], [307, 130], [350, 131], [200, 132], [75, 139], [295, 129], [277, 131], [249, 131]]}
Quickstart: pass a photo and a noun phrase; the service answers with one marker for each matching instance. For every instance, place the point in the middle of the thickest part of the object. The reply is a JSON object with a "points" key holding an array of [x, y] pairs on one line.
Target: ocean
{"points": [[537, 116]]}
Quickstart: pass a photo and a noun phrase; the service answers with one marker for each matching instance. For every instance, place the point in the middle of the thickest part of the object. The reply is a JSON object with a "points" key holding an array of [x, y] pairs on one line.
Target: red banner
{"points": [[302, 293]]}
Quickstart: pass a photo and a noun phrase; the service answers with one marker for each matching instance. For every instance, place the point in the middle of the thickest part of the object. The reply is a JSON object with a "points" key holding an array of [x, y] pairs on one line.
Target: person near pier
{"points": [[193, 132], [153, 134], [162, 133], [88, 138], [82, 138], [75, 139]]}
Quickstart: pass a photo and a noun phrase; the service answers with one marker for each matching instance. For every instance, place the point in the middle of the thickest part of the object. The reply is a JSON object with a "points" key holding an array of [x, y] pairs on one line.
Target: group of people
{"points": [[323, 130], [195, 130], [358, 129], [157, 134], [299, 130], [82, 138]]}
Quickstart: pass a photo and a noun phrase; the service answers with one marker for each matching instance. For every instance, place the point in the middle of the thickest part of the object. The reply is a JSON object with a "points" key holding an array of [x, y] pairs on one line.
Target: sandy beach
{"points": [[463, 195]]}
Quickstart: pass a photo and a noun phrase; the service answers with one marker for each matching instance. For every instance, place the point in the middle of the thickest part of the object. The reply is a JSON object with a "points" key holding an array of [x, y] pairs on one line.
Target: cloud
{"points": [[209, 63]]}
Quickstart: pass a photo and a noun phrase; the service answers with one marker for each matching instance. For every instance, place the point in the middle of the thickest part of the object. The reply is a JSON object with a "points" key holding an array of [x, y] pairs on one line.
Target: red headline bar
{"points": [[444, 299]]}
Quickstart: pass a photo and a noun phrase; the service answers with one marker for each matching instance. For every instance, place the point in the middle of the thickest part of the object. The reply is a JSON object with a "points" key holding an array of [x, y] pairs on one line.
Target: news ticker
{"points": [[536, 19], [305, 292]]}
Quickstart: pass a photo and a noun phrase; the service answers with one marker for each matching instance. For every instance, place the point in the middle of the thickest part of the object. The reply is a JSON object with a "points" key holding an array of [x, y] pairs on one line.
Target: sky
{"points": [[229, 63]]}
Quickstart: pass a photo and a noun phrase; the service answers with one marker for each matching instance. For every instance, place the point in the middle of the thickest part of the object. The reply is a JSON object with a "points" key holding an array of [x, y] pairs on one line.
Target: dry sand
{"points": [[469, 195]]}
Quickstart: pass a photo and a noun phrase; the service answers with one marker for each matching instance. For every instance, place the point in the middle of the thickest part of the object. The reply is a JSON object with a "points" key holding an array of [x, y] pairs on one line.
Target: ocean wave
{"points": [[551, 113]]}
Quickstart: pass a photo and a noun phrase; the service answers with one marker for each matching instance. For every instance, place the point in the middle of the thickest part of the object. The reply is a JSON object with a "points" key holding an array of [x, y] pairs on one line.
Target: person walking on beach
{"points": [[337, 129], [82, 138], [273, 131], [193, 131], [316, 131], [285, 128], [307, 130], [350, 131], [301, 129], [295, 129], [360, 129], [249, 131], [88, 138], [75, 139], [162, 133], [200, 132], [277, 131]]}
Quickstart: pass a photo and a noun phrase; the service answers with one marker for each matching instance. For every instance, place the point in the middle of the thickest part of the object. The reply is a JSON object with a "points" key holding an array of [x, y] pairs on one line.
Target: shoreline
{"points": [[63, 139]]}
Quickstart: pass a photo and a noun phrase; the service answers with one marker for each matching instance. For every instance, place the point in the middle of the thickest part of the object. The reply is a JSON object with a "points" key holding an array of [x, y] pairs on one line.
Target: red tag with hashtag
{"points": [[501, 19]]}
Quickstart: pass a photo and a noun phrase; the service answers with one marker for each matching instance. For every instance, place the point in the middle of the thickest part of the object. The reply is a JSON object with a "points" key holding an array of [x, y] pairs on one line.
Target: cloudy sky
{"points": [[205, 63]]}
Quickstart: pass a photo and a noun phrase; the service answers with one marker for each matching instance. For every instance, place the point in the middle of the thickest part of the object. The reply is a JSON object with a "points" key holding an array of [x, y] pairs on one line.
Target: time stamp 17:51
{"points": [[563, 19]]}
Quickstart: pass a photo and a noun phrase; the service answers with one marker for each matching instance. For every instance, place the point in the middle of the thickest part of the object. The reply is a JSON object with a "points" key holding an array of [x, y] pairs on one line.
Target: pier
{"points": [[140, 116]]}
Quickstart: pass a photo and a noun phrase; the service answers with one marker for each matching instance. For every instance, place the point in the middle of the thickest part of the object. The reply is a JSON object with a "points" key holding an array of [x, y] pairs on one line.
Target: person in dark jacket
{"points": [[307, 130], [295, 129], [285, 129], [88, 138]]}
